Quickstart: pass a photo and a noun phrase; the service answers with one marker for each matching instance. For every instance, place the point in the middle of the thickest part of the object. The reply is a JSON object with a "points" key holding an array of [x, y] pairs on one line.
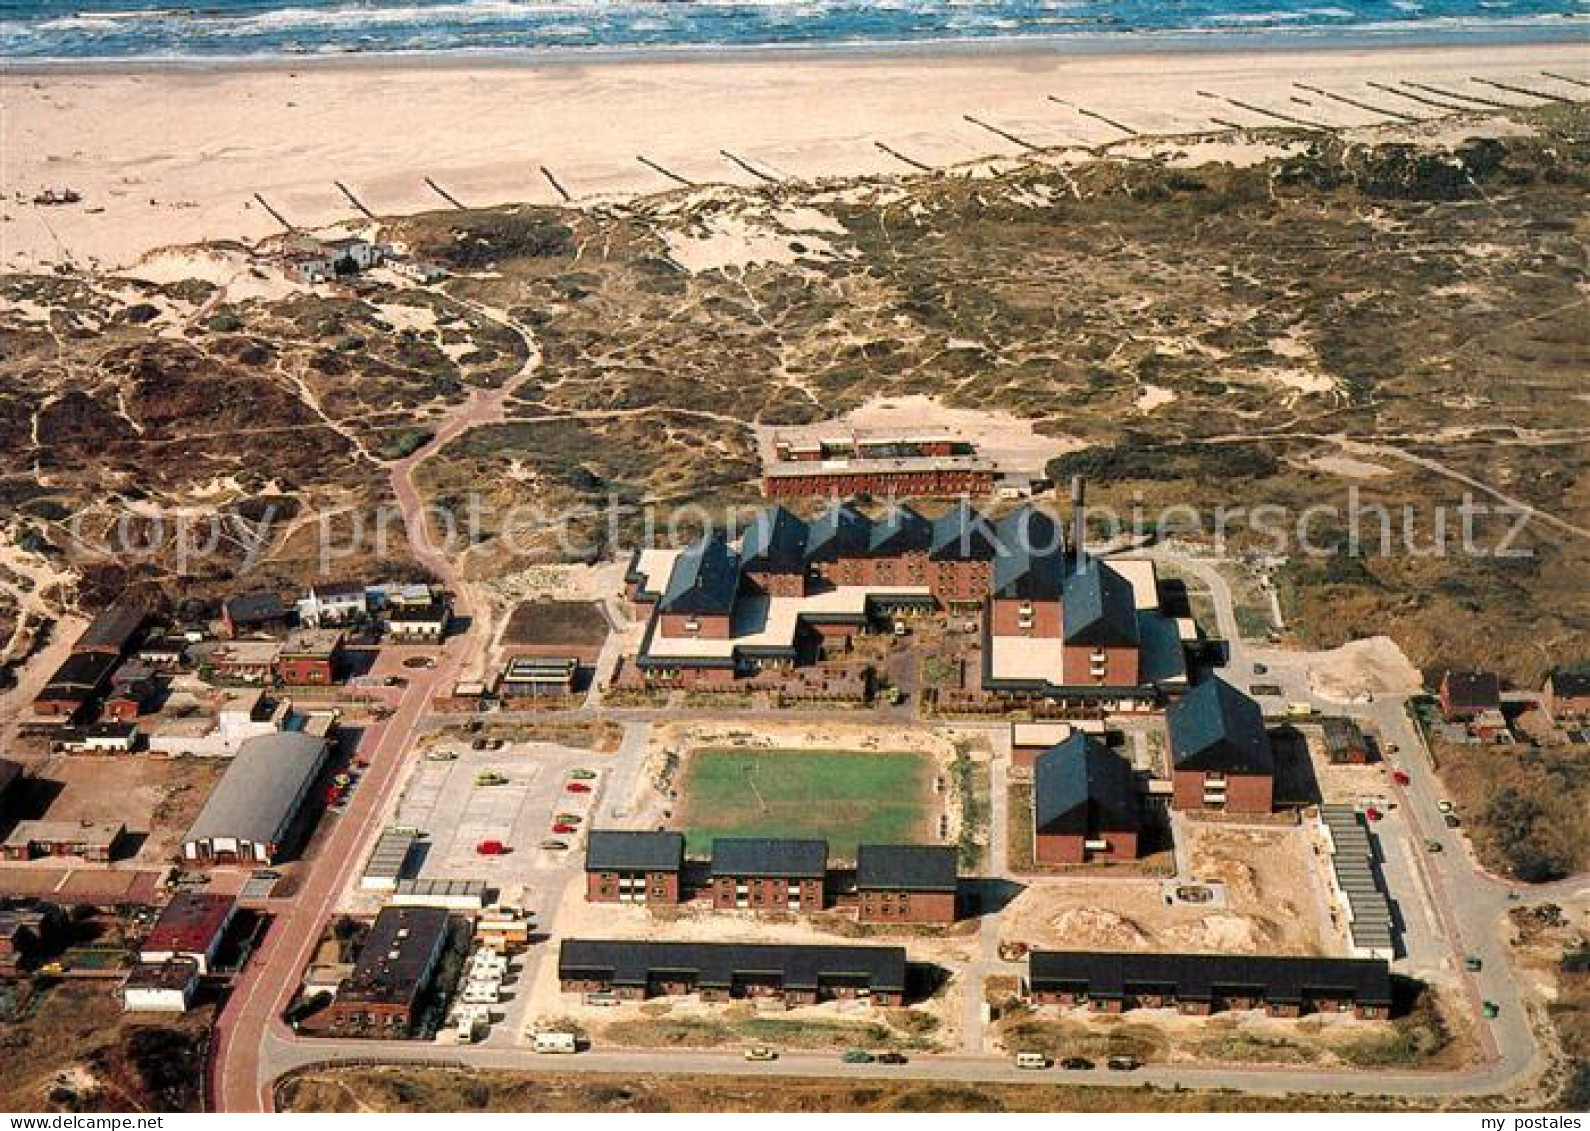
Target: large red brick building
{"points": [[795, 591], [384, 997], [310, 658], [1200, 984], [842, 465], [792, 974], [634, 867], [764, 874], [1220, 752], [1086, 805], [906, 883]]}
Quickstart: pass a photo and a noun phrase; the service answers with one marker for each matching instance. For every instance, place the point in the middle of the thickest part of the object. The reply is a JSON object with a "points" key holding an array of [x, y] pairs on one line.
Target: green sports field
{"points": [[846, 797]]}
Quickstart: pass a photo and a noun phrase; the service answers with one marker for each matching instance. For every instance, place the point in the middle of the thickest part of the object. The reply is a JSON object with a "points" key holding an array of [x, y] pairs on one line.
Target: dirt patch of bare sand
{"points": [[1363, 668], [1268, 906]]}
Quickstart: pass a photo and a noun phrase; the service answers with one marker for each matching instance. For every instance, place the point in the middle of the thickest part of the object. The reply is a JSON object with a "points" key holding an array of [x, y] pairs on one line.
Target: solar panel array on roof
{"points": [[1353, 870]]}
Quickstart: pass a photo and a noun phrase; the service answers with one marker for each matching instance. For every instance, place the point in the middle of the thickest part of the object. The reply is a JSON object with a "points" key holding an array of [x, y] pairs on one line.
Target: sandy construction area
{"points": [[175, 157], [1271, 904]]}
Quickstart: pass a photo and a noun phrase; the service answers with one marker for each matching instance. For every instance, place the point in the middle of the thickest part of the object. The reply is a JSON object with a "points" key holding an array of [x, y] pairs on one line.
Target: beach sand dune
{"points": [[175, 156]]}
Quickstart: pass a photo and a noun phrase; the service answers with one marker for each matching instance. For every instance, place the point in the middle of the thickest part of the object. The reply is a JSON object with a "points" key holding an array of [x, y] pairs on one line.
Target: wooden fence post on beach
{"points": [[444, 194], [275, 215], [353, 200], [553, 181], [656, 168], [911, 161], [749, 168], [1086, 113]]}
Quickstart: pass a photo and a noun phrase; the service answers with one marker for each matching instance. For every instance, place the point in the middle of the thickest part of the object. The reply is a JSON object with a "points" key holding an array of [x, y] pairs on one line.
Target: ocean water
{"points": [[218, 29]]}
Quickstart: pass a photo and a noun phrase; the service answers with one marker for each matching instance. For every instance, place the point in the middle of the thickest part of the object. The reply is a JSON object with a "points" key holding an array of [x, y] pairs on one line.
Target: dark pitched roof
{"points": [[720, 965], [705, 578], [776, 541], [1021, 573], [839, 532], [617, 851], [1098, 607], [900, 531], [1081, 786], [114, 628], [254, 608], [905, 867], [1030, 529], [1202, 977], [1569, 685], [962, 534], [81, 671], [1476, 690], [760, 856], [1217, 727]]}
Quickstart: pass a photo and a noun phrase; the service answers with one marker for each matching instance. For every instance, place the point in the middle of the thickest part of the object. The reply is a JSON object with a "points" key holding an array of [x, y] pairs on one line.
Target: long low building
{"points": [[1208, 983], [796, 975], [248, 818]]}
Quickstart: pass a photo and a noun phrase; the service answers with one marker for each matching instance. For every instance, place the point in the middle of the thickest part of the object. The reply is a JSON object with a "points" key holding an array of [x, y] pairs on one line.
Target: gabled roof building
{"points": [[1220, 752], [633, 867], [1086, 804]]}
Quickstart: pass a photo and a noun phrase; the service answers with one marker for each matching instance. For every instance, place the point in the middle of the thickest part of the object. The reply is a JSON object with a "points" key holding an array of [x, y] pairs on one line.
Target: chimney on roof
{"points": [[1079, 520]]}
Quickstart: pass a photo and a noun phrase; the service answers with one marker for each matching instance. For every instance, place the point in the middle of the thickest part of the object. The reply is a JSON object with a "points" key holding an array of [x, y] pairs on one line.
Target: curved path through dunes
{"points": [[251, 1019]]}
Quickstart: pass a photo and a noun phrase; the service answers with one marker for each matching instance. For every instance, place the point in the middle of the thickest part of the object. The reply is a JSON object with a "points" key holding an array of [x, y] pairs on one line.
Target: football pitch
{"points": [[846, 797]]}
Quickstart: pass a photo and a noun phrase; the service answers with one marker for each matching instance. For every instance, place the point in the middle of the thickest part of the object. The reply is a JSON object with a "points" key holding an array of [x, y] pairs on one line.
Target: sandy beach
{"points": [[175, 157]]}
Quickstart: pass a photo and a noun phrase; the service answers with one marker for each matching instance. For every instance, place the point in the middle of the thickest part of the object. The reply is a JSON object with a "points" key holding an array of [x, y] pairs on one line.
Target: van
{"points": [[555, 1043], [1031, 1060]]}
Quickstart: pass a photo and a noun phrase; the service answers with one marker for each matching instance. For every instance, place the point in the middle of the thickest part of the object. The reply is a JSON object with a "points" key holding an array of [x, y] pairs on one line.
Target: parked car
{"points": [[1123, 1063], [567, 818], [1076, 1064], [582, 775], [1372, 814], [892, 1058], [1432, 846], [564, 830], [1031, 1060], [577, 787], [554, 845], [491, 848], [1401, 777], [856, 1056], [1451, 820], [1473, 963], [760, 1052], [1489, 1009], [1446, 806]]}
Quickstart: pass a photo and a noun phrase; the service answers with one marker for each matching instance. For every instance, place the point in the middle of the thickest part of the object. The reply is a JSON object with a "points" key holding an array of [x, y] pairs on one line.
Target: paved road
{"points": [[286, 1054]]}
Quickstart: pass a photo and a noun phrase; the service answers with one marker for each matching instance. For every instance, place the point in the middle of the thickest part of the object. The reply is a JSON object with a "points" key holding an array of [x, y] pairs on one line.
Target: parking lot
{"points": [[458, 816]]}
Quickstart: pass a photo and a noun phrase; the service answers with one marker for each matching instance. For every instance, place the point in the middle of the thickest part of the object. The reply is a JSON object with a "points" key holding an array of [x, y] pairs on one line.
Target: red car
{"points": [[1400, 778], [1372, 814], [564, 830], [577, 787], [491, 848]]}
